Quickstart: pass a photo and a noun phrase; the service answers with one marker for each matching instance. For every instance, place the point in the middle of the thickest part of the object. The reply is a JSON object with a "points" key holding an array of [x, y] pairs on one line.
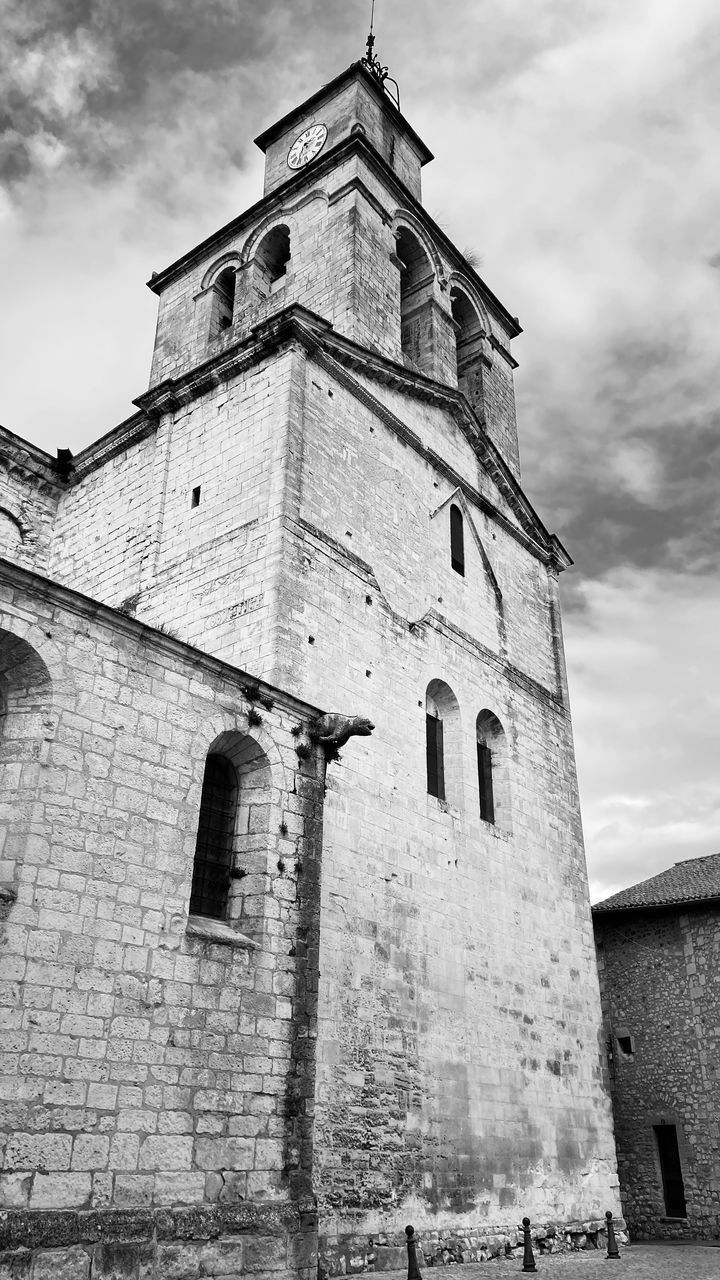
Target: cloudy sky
{"points": [[577, 152]]}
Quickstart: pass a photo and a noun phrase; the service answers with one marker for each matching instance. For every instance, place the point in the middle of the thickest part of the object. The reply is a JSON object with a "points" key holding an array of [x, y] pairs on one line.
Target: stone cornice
{"points": [[129, 432], [88, 608], [399, 378], [20, 457], [266, 337], [296, 324]]}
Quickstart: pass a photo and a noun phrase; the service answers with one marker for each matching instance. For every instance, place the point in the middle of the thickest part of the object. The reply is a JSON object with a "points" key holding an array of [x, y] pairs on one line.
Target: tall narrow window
{"points": [[457, 541], [493, 771], [214, 847], [435, 756], [416, 293], [469, 349], [485, 782], [443, 751], [671, 1170]]}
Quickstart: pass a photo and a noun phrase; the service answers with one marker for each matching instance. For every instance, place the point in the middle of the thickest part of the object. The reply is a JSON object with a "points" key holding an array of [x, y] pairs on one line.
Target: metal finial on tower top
{"points": [[374, 65]]}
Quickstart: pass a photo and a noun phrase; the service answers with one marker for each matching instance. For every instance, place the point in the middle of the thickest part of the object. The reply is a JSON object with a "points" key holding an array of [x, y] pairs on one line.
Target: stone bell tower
{"points": [[322, 487]]}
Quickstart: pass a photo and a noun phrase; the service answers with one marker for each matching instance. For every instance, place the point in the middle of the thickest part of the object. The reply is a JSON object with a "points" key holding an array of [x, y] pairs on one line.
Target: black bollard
{"points": [[528, 1255], [413, 1268], [612, 1250]]}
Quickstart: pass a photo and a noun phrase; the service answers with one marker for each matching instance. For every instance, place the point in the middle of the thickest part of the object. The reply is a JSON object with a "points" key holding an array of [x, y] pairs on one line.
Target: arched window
{"points": [[10, 535], [468, 347], [223, 302], [26, 726], [457, 541], [272, 257], [416, 290], [214, 846], [442, 743], [492, 764]]}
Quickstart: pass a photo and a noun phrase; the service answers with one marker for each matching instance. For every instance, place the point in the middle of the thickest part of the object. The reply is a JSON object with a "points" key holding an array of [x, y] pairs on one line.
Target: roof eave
{"points": [[638, 908]]}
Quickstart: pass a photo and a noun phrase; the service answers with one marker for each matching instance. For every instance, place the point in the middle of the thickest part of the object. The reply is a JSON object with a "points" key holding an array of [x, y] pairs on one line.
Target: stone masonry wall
{"points": [[459, 1076], [658, 976], [157, 1077], [129, 535]]}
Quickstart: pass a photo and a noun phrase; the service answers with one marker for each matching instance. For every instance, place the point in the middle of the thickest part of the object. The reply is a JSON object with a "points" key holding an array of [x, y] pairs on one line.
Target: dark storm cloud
{"points": [[86, 83], [677, 527]]}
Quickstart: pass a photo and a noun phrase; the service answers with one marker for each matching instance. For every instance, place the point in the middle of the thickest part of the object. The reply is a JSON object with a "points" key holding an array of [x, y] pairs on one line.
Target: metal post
{"points": [[528, 1255], [413, 1268], [612, 1249]]}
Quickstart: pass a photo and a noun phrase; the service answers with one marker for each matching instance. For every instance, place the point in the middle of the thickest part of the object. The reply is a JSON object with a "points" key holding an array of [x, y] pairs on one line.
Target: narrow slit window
{"points": [[435, 756], [214, 846], [457, 541], [485, 782], [195, 499], [671, 1170]]}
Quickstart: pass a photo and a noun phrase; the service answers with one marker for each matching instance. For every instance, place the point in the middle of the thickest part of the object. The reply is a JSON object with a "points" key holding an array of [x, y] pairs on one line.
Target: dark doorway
{"points": [[671, 1170]]}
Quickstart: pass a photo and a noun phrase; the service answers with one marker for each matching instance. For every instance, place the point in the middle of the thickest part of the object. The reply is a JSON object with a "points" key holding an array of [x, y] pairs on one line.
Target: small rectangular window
{"points": [[671, 1170], [485, 785], [435, 758], [625, 1045], [195, 500]]}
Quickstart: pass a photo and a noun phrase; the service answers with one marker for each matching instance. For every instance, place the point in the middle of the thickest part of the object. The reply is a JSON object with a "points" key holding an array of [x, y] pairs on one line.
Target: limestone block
{"points": [[265, 1253], [179, 1188], [60, 1191], [225, 1153], [90, 1151], [15, 1264], [134, 1190], [166, 1152], [15, 1190], [119, 1261], [61, 1264], [33, 1151]]}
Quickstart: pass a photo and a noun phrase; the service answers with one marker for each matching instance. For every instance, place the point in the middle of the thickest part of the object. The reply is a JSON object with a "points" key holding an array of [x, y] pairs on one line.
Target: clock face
{"points": [[307, 146]]}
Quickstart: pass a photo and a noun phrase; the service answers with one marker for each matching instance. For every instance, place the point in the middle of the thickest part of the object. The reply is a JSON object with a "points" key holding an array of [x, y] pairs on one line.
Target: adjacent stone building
{"points": [[658, 946], [261, 1001]]}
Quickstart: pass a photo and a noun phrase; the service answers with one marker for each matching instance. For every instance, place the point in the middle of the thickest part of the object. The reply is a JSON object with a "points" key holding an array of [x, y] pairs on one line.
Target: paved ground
{"points": [[637, 1262]]}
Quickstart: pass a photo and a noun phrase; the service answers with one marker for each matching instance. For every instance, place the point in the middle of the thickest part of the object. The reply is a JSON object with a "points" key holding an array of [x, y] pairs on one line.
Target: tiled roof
{"points": [[693, 881]]}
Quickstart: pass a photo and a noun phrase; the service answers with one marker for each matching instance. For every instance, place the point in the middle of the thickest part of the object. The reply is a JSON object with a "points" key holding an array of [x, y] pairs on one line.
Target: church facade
{"points": [[298, 939]]}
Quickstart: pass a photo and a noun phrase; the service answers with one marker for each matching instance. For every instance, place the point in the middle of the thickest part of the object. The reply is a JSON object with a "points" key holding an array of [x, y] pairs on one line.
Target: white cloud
{"points": [[645, 694]]}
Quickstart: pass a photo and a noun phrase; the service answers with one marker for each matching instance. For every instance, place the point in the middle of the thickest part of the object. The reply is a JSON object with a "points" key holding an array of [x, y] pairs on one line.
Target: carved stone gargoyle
{"points": [[333, 730]]}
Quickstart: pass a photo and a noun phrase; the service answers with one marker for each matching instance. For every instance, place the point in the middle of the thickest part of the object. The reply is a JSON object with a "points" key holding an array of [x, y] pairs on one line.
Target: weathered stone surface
{"points": [[61, 1264], [15, 1190], [15, 1265], [388, 1258], [118, 1261]]}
